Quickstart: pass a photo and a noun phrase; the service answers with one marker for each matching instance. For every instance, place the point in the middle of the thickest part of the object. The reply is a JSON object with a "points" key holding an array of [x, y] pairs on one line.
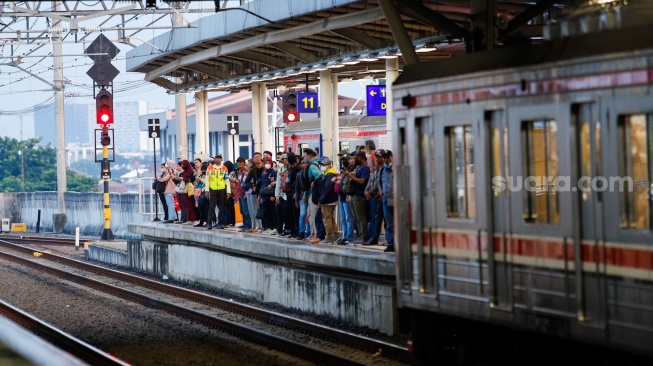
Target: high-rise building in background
{"points": [[81, 124]]}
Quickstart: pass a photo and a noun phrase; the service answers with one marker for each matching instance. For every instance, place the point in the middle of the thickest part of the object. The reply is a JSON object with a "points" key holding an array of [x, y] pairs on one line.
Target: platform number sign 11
{"points": [[307, 102]]}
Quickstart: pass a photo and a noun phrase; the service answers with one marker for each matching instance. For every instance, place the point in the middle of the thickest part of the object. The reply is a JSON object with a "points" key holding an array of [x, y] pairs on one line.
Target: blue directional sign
{"points": [[307, 102], [376, 104]]}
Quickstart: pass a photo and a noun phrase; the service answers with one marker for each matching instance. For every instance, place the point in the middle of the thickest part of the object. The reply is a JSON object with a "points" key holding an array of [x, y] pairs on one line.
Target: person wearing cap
{"points": [[328, 200], [358, 201], [386, 184], [219, 190], [301, 203], [373, 195]]}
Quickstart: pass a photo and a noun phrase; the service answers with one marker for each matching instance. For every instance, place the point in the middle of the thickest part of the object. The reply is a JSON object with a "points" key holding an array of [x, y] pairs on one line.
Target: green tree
{"points": [[38, 166]]}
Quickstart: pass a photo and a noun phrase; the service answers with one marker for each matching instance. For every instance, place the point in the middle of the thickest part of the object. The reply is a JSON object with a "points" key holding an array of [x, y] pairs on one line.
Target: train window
{"points": [[636, 132], [461, 191], [540, 159]]}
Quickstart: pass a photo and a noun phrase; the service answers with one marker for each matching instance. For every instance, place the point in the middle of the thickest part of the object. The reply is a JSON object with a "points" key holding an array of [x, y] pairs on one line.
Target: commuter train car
{"points": [[354, 131], [524, 201]]}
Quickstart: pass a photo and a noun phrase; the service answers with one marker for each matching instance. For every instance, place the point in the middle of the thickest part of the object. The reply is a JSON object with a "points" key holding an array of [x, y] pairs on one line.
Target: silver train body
{"points": [[484, 259]]}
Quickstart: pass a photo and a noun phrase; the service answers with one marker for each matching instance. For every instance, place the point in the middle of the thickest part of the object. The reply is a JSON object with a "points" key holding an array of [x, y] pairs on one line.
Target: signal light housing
{"points": [[105, 140], [290, 113], [104, 108]]}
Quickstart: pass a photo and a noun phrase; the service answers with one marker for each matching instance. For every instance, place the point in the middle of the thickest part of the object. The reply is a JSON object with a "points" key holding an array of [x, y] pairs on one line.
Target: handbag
{"points": [[190, 189], [180, 187], [260, 213], [161, 187], [155, 183]]}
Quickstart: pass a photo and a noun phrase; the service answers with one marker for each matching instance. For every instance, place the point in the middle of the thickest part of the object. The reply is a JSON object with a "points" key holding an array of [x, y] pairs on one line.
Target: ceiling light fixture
{"points": [[389, 54], [351, 61], [369, 57]]}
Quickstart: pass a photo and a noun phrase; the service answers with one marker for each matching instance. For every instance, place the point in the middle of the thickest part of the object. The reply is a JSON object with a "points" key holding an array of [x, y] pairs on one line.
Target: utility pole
{"points": [[59, 220]]}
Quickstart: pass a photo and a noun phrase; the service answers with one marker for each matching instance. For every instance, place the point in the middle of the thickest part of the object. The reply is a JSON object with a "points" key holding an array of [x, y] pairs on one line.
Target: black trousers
{"points": [[162, 197], [290, 216], [279, 213], [217, 198], [203, 207]]}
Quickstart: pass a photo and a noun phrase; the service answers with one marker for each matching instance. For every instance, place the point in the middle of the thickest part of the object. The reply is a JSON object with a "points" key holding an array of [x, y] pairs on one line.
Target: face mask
{"points": [[323, 168], [268, 166], [388, 166]]}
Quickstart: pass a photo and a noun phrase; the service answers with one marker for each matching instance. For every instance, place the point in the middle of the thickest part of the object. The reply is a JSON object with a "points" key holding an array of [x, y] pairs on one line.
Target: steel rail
{"points": [[64, 341], [387, 350], [241, 331]]}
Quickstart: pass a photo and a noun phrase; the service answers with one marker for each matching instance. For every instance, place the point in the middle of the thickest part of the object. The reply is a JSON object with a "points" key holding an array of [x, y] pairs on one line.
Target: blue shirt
{"points": [[363, 171]]}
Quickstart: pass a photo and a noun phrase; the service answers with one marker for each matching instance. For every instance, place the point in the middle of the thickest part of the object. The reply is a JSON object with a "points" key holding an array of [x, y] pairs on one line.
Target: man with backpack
{"points": [[328, 200], [308, 177]]}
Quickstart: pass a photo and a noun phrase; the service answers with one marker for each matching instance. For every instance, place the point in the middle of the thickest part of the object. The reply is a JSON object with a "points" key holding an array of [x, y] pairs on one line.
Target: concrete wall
{"points": [[359, 302], [82, 209]]}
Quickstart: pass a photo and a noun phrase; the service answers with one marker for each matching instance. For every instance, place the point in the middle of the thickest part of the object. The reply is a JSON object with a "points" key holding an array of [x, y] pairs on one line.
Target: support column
{"points": [[336, 119], [59, 117], [201, 122], [264, 119], [326, 113], [391, 74], [256, 116], [180, 109]]}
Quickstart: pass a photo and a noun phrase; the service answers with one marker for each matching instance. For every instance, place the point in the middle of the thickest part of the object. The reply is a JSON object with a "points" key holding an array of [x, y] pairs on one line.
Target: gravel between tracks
{"points": [[131, 332]]}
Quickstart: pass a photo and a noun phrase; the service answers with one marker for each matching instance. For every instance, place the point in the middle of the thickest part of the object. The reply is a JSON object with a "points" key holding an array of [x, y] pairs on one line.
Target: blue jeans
{"points": [[389, 213], [347, 221], [244, 212], [303, 207], [320, 231], [376, 219], [170, 200]]}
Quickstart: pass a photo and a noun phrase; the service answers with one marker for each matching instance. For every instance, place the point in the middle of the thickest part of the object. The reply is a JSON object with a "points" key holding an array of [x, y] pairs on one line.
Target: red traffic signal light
{"points": [[290, 113], [104, 107], [292, 117]]}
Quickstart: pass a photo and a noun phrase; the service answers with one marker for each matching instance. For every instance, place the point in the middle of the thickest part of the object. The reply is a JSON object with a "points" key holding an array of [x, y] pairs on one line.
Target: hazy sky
{"points": [[21, 93]]}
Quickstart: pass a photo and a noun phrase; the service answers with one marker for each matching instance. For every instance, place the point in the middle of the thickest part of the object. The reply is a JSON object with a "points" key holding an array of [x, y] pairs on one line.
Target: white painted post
{"points": [[77, 238]]}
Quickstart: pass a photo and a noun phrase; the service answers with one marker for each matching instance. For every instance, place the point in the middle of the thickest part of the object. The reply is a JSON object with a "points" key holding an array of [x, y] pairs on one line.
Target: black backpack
{"points": [[304, 178], [317, 190]]}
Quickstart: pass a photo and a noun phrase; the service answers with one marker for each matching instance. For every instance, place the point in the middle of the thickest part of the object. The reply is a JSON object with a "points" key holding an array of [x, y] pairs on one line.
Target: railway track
{"points": [[60, 339], [381, 350]]}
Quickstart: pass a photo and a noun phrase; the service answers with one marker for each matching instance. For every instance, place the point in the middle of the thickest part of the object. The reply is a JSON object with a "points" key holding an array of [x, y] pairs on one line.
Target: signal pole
{"points": [[101, 51]]}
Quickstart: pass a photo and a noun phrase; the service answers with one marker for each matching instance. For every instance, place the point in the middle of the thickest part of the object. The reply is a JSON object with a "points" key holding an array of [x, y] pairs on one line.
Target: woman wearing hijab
{"points": [[187, 174], [230, 209]]}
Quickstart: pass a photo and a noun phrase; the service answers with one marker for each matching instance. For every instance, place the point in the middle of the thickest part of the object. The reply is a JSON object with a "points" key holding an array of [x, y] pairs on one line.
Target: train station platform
{"points": [[353, 284]]}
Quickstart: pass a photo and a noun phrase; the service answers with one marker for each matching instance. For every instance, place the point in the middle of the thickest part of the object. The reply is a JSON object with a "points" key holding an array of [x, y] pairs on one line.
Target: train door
{"points": [[498, 210], [588, 221], [426, 248]]}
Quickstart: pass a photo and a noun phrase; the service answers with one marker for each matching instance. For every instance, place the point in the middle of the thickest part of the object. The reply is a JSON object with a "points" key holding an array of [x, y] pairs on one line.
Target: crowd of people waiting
{"points": [[294, 197]]}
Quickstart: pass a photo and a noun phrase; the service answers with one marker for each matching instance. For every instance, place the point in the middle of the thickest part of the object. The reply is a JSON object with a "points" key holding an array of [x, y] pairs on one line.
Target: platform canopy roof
{"points": [[286, 43]]}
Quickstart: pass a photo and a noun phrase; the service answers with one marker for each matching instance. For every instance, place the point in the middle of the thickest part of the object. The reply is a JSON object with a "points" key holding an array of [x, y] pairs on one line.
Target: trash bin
{"points": [[6, 225]]}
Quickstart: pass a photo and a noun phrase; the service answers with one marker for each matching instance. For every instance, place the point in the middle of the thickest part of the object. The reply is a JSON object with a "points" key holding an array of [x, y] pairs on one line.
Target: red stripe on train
{"points": [[542, 249]]}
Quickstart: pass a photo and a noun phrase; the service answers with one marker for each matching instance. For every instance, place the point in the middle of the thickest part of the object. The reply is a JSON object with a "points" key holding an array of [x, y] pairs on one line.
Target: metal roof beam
{"points": [[356, 36], [259, 58], [525, 16], [165, 83], [424, 14], [295, 51], [323, 25]]}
